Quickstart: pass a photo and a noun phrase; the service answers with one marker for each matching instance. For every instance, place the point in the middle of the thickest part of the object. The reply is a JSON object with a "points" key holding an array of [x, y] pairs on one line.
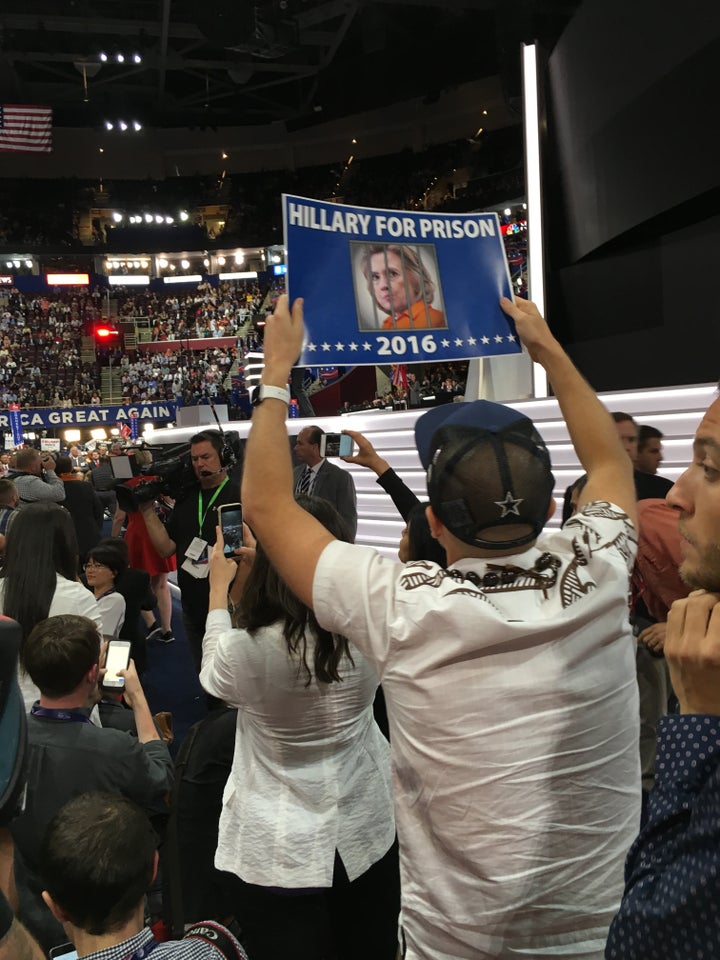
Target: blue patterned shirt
{"points": [[671, 906]]}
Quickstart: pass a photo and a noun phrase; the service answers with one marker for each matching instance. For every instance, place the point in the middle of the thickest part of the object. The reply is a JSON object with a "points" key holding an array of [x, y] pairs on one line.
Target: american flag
{"points": [[398, 375], [25, 129]]}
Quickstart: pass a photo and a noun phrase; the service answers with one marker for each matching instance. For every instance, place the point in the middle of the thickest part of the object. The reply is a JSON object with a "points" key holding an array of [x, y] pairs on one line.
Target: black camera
{"points": [[170, 475]]}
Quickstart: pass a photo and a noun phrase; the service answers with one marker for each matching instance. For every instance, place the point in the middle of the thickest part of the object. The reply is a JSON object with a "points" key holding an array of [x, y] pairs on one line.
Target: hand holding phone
{"points": [[231, 525]]}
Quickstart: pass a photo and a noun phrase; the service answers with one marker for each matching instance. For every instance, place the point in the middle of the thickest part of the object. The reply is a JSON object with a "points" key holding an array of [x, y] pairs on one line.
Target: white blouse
{"points": [[311, 769]]}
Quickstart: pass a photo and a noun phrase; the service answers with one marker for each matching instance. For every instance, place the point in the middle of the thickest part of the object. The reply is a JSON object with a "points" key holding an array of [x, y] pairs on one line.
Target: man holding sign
{"points": [[509, 676]]}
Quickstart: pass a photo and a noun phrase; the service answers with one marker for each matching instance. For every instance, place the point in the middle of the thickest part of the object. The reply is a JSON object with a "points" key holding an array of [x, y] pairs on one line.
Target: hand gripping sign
{"points": [[385, 286]]}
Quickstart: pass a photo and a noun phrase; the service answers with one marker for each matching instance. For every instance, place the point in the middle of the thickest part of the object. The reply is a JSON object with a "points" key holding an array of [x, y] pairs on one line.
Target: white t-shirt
{"points": [[514, 729], [112, 614], [311, 769], [69, 597]]}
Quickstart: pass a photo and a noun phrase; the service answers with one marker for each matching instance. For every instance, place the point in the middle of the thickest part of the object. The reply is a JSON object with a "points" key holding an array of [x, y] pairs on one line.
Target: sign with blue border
{"points": [[387, 286], [86, 416]]}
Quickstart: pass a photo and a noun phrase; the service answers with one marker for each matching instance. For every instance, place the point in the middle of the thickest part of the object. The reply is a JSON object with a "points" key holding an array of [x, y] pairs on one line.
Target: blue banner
{"points": [[16, 424], [384, 286], [99, 416]]}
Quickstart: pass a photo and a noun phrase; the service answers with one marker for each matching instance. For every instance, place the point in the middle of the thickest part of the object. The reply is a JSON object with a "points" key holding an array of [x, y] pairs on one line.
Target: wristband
{"points": [[265, 392]]}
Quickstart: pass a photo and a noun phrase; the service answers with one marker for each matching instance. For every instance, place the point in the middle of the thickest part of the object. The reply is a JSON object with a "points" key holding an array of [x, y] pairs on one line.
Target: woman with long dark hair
{"points": [[307, 819], [39, 577]]}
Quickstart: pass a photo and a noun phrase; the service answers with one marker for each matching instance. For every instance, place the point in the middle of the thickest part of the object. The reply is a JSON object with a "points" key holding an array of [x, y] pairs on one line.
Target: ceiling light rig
{"points": [[123, 126], [120, 56]]}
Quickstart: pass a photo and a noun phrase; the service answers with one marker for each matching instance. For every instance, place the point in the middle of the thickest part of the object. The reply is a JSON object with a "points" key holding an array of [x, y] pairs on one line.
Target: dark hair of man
{"points": [[314, 434], [421, 543], [7, 492], [59, 652], [209, 436], [620, 417], [267, 599], [41, 543], [97, 861], [646, 433], [26, 457], [110, 556], [63, 464]]}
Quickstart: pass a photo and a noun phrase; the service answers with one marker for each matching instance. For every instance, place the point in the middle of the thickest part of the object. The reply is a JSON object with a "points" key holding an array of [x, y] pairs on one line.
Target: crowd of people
{"points": [[503, 813], [207, 311]]}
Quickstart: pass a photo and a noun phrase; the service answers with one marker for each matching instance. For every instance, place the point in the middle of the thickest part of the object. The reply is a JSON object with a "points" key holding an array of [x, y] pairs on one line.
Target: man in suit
{"points": [[317, 477]]}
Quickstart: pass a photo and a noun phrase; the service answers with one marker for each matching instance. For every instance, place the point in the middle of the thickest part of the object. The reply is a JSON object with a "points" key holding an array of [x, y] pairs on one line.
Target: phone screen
{"points": [[337, 445], [66, 952], [118, 657], [231, 524]]}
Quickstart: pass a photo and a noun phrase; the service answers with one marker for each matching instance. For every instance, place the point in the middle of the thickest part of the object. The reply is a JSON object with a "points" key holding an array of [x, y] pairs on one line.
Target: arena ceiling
{"points": [[215, 63]]}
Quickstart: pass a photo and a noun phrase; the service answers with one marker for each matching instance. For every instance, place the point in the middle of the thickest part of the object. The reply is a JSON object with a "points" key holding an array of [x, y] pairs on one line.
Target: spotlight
{"points": [[102, 57], [117, 217], [507, 211], [28, 264], [8, 264], [169, 220], [137, 58], [136, 126], [143, 264], [108, 125], [158, 218], [148, 218], [221, 261], [122, 125], [184, 264], [120, 57], [239, 256], [172, 266], [136, 264], [16, 264], [206, 262], [162, 263], [183, 215]]}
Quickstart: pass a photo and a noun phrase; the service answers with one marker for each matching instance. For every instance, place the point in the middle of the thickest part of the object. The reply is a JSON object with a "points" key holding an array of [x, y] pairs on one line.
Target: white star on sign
{"points": [[353, 346], [498, 338], [444, 343], [471, 341], [325, 346], [508, 505], [367, 346], [311, 347], [458, 342], [339, 346], [486, 339], [511, 338]]}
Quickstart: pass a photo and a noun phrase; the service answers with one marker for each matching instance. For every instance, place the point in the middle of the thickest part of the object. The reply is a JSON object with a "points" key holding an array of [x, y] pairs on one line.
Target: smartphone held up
{"points": [[117, 658], [231, 523], [336, 445]]}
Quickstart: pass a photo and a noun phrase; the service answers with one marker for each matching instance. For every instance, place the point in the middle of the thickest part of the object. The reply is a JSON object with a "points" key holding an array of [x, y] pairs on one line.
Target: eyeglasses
{"points": [[93, 563]]}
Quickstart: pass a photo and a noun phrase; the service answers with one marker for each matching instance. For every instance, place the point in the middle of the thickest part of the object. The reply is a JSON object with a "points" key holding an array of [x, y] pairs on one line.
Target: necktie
{"points": [[304, 485]]}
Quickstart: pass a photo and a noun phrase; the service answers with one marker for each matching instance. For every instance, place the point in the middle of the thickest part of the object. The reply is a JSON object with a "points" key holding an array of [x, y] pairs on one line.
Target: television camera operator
{"points": [[190, 531]]}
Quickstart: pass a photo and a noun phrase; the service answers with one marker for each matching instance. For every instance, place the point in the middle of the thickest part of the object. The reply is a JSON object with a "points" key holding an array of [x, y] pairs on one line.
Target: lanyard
{"points": [[201, 515], [53, 713]]}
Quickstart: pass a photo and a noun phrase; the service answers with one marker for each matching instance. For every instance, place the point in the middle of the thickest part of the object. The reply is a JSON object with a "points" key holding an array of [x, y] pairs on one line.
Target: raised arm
{"points": [[591, 427], [367, 456], [156, 530], [292, 539]]}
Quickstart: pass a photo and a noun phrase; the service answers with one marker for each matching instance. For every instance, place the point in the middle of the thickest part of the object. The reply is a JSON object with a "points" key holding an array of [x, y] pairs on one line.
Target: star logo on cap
{"points": [[508, 505]]}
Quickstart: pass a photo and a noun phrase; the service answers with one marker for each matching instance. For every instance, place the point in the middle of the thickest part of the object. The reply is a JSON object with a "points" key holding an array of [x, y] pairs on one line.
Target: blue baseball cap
{"points": [[488, 469]]}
